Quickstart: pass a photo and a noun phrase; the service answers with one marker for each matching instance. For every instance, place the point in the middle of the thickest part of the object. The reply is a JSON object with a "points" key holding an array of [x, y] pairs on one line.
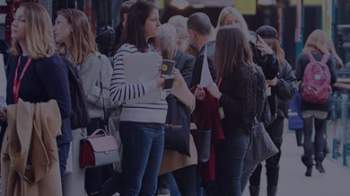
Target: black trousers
{"points": [[275, 131], [316, 149]]}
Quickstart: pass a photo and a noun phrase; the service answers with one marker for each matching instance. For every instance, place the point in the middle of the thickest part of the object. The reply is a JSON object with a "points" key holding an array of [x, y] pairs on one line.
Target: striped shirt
{"points": [[123, 91]]}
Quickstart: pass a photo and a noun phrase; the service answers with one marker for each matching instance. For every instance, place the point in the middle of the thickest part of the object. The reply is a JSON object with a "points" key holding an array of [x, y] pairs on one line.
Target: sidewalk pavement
{"points": [[335, 182]]}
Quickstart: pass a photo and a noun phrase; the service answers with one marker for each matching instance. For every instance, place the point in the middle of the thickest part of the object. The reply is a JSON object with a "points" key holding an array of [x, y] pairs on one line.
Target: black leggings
{"points": [[317, 148]]}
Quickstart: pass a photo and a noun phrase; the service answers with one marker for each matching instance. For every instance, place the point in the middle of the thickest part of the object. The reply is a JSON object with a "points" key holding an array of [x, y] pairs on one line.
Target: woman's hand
{"points": [[199, 93], [214, 91], [263, 47], [272, 82]]}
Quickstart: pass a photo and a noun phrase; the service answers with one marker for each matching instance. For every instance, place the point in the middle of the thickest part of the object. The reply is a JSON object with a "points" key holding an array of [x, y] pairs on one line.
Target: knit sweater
{"points": [[122, 91], [45, 79]]}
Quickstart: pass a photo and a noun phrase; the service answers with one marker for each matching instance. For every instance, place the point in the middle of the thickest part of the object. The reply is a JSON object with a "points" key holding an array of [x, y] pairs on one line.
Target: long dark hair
{"points": [[234, 56], [120, 31], [232, 51], [135, 28]]}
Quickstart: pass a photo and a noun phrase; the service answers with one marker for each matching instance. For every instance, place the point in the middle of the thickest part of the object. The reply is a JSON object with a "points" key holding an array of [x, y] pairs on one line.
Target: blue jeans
{"points": [[182, 182], [143, 146], [230, 159], [63, 152], [168, 181]]}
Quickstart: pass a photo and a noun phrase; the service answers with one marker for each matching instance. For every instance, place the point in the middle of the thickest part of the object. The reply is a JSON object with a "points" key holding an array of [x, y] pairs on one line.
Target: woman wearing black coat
{"points": [[283, 88]]}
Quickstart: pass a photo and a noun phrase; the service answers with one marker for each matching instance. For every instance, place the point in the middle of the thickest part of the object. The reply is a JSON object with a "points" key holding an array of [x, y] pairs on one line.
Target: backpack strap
{"points": [[311, 57], [325, 58]]}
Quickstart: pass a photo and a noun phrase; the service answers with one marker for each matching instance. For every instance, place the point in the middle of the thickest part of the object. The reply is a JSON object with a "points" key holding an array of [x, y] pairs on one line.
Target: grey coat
{"points": [[94, 72]]}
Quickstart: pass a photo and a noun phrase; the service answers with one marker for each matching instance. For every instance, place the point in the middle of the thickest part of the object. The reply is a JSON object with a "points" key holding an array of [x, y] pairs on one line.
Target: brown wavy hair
{"points": [[82, 40], [280, 54]]}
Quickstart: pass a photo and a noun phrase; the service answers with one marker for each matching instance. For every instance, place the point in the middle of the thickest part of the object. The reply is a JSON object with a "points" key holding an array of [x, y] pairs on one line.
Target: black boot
{"points": [[319, 157], [254, 190], [320, 167], [308, 172], [308, 163], [271, 190]]}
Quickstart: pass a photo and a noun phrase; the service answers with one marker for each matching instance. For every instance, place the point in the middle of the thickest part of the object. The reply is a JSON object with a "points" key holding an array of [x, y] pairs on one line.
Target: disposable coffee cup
{"points": [[167, 72], [167, 67]]}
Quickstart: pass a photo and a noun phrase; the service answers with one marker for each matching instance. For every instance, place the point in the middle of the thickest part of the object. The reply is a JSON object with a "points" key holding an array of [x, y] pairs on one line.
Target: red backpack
{"points": [[316, 84]]}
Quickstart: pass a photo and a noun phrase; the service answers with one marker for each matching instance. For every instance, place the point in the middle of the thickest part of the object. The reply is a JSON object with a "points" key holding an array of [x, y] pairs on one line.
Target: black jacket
{"points": [[270, 68], [261, 98], [239, 99], [285, 89], [302, 61], [197, 69]]}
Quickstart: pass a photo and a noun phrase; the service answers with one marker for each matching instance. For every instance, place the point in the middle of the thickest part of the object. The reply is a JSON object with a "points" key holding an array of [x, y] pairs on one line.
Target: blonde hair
{"points": [[81, 42], [180, 24], [39, 34], [317, 41], [237, 15], [167, 39]]}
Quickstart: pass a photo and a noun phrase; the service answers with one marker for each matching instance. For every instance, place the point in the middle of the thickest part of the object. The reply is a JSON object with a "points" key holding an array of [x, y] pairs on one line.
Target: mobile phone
{"points": [[253, 37]]}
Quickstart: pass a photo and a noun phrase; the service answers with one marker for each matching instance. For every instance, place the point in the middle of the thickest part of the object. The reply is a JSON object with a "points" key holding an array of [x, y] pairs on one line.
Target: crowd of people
{"points": [[225, 80]]}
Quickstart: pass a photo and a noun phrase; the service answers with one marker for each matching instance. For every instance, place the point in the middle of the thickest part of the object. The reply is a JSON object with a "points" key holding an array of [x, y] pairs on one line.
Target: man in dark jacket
{"points": [[200, 29]]}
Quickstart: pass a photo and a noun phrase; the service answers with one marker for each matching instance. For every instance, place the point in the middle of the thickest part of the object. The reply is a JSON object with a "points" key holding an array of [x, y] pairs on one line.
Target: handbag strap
{"points": [[219, 83], [94, 134], [101, 91]]}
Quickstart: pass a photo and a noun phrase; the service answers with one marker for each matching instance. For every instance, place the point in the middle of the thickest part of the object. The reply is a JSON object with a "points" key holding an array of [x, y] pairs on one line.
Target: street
{"points": [[335, 182]]}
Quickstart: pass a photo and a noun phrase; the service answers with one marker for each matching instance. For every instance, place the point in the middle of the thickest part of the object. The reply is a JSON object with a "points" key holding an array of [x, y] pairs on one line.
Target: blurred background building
{"points": [[294, 19]]}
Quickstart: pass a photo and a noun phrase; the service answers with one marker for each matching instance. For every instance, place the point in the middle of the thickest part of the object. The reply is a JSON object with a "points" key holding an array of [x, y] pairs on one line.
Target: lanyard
{"points": [[18, 78]]}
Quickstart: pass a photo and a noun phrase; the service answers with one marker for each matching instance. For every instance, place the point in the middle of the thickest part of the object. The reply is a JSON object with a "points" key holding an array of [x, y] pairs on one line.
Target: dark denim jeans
{"points": [[182, 182], [167, 181], [230, 159], [143, 146], [275, 131], [63, 152], [317, 148]]}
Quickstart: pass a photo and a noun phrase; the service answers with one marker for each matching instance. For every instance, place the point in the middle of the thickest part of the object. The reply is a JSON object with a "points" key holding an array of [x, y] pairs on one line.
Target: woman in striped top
{"points": [[141, 123]]}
